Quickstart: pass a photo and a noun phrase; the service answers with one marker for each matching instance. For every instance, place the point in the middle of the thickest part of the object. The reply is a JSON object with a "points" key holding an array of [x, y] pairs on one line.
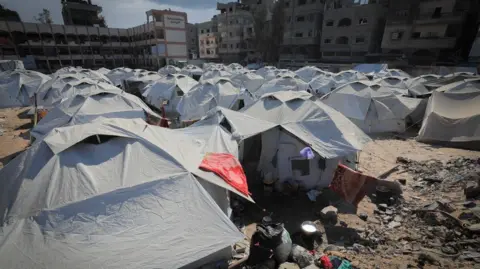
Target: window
{"points": [[437, 13], [431, 35], [342, 40], [362, 21], [358, 53], [289, 19], [344, 22], [342, 53], [311, 17], [302, 165], [230, 9], [231, 46], [208, 30], [299, 34], [313, 1], [327, 41], [193, 40], [287, 3], [179, 92], [302, 2], [300, 18], [329, 23], [396, 35], [208, 42], [401, 13], [201, 42], [310, 33], [224, 46], [415, 35], [230, 34], [360, 40], [328, 53]]}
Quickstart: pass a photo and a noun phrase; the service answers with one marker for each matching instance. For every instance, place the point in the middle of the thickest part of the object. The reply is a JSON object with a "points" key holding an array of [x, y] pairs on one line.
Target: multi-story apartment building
{"points": [[303, 25], [192, 40], [82, 12], [352, 30], [235, 27], [208, 39], [52, 46], [430, 31], [474, 55]]}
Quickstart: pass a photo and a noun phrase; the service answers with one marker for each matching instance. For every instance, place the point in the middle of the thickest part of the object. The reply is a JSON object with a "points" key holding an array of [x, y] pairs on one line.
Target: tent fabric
{"points": [[71, 204], [267, 72], [370, 69], [448, 79], [282, 84], [452, 117], [18, 87], [247, 80], [404, 86], [348, 76], [9, 65], [204, 97], [392, 73], [463, 86], [192, 70], [103, 70], [81, 109], [87, 73], [322, 84], [371, 107], [325, 130], [169, 70], [118, 75], [307, 73], [228, 168], [63, 87], [214, 74], [169, 88]]}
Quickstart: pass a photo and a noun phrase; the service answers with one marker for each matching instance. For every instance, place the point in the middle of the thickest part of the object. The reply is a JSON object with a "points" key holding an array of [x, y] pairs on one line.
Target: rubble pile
{"points": [[433, 175]]}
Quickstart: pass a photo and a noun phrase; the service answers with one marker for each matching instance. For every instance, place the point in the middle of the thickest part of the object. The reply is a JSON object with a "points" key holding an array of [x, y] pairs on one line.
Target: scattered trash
{"points": [[301, 256], [312, 195], [363, 216], [329, 214]]}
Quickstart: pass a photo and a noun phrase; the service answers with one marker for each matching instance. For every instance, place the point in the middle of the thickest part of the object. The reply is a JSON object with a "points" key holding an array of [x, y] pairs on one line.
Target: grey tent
{"points": [[19, 86], [452, 115], [96, 105], [130, 201], [373, 108], [404, 86], [287, 122]]}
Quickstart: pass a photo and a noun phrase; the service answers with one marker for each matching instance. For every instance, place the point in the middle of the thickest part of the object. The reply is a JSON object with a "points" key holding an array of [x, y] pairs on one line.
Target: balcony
{"points": [[442, 18], [434, 43], [300, 41]]}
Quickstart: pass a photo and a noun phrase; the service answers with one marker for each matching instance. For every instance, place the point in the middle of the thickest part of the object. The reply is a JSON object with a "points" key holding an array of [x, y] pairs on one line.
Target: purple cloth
{"points": [[307, 153]]}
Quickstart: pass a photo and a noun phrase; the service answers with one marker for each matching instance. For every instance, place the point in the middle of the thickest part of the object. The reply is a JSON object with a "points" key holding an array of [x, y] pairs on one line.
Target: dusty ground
{"points": [[15, 137], [378, 157]]}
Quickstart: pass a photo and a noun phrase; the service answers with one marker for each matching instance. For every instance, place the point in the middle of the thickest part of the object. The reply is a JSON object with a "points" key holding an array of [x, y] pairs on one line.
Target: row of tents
{"points": [[100, 182]]}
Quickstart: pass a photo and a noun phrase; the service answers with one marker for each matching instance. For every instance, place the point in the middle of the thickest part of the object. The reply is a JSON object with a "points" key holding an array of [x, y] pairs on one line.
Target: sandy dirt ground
{"points": [[376, 158]]}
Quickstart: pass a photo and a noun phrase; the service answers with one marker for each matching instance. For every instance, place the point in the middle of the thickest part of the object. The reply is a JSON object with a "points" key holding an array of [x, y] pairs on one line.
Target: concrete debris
{"points": [[394, 224]]}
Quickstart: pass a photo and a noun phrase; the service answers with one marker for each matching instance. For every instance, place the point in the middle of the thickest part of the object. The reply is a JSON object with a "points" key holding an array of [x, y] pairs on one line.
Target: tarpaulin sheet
{"points": [[228, 168], [351, 185]]}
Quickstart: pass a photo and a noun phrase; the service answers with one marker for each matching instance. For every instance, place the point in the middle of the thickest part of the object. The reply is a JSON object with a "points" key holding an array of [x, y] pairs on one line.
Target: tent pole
{"points": [[98, 139]]}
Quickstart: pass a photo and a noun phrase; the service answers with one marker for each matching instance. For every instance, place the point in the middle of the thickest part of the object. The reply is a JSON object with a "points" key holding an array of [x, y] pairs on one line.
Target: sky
{"points": [[118, 13]]}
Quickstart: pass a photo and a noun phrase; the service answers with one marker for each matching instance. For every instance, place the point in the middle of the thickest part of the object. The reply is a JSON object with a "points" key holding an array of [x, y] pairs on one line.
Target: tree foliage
{"points": [[44, 17]]}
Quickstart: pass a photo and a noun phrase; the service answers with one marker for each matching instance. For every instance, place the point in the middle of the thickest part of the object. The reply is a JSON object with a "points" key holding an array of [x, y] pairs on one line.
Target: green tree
{"points": [[44, 17]]}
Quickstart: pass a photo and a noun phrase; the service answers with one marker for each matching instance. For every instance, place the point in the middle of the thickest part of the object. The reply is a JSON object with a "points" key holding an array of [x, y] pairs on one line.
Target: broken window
{"points": [[302, 165]]}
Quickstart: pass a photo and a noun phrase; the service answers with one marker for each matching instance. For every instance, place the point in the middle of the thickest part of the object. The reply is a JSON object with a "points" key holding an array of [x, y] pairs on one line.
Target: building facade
{"points": [[428, 32], [352, 30], [303, 29], [208, 39], [192, 41], [48, 47], [474, 55], [82, 12]]}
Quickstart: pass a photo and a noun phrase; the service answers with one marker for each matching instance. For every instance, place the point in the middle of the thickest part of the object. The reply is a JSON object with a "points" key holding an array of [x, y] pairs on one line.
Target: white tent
{"points": [[371, 107], [18, 87], [169, 90], [322, 84], [72, 202], [236, 68], [248, 80], [286, 73], [192, 70], [307, 73], [8, 65], [204, 97], [213, 75], [348, 76], [463, 86], [96, 105], [290, 121], [448, 79], [267, 72], [285, 83], [403, 86], [65, 86], [140, 79], [370, 69], [88, 73], [453, 118], [392, 73], [118, 75], [103, 70], [168, 70]]}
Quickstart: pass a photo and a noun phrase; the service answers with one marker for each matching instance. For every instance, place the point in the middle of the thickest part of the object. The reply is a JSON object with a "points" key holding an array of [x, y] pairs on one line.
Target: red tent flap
{"points": [[227, 167]]}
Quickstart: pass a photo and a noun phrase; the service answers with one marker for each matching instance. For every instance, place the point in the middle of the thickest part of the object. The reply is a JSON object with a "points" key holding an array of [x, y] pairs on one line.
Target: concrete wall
{"points": [[175, 36]]}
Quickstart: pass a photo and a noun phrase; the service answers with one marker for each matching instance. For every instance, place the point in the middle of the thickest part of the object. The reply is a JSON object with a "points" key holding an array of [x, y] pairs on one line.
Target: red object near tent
{"points": [[227, 167]]}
